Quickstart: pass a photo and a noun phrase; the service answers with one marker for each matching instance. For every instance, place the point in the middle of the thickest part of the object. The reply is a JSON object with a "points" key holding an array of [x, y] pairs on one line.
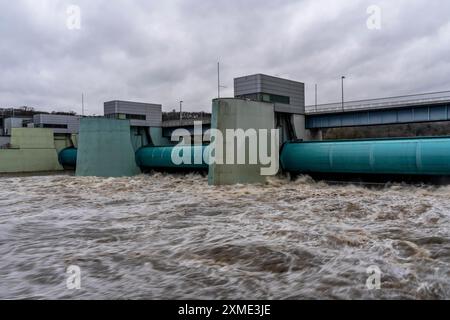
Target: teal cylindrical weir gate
{"points": [[417, 156], [161, 157], [68, 157]]}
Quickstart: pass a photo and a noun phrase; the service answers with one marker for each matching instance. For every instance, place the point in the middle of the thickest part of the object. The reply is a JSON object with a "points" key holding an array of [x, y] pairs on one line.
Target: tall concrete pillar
{"points": [[105, 148], [250, 116]]}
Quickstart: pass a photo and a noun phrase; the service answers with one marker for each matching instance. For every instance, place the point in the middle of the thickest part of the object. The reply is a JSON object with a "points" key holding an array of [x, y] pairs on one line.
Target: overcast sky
{"points": [[164, 51]]}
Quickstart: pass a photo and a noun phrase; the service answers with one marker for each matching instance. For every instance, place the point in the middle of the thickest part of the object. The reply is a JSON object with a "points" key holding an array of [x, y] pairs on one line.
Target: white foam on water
{"points": [[173, 236]]}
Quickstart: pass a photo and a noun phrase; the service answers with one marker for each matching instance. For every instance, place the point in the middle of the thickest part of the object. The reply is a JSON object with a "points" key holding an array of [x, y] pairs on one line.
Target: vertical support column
{"points": [[105, 149], [249, 117]]}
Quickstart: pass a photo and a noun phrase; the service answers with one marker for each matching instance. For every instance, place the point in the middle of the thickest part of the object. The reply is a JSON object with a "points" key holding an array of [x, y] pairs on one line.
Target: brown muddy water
{"points": [[174, 237]]}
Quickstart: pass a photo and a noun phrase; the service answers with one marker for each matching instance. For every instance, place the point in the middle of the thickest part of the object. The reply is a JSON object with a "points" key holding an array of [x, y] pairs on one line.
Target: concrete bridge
{"points": [[418, 108]]}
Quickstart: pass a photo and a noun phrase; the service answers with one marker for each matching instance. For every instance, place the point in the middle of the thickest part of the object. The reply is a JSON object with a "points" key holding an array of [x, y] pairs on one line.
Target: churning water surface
{"points": [[175, 237]]}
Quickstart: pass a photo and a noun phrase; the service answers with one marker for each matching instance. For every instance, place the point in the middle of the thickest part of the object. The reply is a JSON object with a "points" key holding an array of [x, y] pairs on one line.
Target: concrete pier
{"points": [[105, 149], [239, 114]]}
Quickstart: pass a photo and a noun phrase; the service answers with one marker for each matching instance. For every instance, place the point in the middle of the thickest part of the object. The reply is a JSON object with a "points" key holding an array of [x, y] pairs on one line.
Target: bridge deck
{"points": [[427, 107]]}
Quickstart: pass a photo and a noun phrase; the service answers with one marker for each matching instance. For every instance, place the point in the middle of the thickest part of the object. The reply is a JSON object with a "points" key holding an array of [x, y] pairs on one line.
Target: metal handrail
{"points": [[185, 122], [381, 103]]}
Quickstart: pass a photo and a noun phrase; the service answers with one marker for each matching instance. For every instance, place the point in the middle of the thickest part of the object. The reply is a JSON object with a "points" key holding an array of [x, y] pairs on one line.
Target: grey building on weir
{"points": [[64, 124], [288, 96], [140, 114]]}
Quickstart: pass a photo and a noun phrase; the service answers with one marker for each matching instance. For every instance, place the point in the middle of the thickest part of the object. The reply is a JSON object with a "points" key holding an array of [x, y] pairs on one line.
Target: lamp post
{"points": [[218, 80], [342, 79], [181, 113], [316, 97]]}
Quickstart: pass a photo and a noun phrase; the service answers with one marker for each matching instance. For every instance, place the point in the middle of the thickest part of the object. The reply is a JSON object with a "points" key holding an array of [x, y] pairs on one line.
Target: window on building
{"points": [[123, 116], [54, 126], [266, 97], [274, 98], [136, 117], [249, 97]]}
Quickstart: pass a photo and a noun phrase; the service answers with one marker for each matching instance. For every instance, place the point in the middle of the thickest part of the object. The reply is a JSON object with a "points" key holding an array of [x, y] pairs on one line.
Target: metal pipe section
{"points": [[153, 157], [415, 156], [163, 157], [410, 156], [68, 157]]}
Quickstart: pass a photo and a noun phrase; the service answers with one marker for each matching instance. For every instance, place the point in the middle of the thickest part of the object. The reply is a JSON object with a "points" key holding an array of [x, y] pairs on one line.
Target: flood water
{"points": [[174, 237]]}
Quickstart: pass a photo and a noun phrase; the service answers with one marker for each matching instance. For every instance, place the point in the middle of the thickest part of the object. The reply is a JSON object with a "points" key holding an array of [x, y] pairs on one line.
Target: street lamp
{"points": [[342, 79], [181, 114], [316, 97]]}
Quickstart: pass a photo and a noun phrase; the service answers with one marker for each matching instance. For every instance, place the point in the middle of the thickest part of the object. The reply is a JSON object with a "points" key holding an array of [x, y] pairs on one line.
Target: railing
{"points": [[172, 119], [167, 116], [381, 103], [185, 122]]}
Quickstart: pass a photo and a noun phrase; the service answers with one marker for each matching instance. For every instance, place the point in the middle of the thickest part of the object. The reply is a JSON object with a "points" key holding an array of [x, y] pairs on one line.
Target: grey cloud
{"points": [[164, 51]]}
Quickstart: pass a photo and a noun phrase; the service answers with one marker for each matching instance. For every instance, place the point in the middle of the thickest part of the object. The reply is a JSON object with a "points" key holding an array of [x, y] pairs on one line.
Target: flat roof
{"points": [[134, 102], [268, 76]]}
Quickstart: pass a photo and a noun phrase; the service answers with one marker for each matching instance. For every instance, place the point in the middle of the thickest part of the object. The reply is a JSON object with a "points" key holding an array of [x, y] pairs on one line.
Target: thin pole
{"points": [[181, 114], [218, 80], [342, 78], [82, 104], [316, 98]]}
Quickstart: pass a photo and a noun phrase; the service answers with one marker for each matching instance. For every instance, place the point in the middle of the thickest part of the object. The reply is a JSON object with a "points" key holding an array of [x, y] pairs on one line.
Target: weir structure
{"points": [[131, 138], [374, 157]]}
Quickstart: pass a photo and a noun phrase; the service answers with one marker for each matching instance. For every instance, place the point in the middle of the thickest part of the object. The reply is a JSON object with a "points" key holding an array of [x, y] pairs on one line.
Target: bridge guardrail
{"points": [[381, 103]]}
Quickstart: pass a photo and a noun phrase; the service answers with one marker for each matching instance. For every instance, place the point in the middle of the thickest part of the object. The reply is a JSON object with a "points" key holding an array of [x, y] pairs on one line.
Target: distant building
{"points": [[10, 123], [288, 96], [139, 114], [64, 124], [15, 114]]}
